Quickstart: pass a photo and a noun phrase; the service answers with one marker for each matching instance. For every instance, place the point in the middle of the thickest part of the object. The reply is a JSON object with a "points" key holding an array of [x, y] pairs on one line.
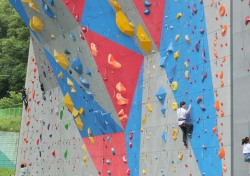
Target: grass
{"points": [[7, 172], [10, 124]]}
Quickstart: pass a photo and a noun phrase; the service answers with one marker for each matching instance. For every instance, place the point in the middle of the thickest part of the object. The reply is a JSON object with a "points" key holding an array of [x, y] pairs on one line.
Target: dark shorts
{"points": [[247, 157]]}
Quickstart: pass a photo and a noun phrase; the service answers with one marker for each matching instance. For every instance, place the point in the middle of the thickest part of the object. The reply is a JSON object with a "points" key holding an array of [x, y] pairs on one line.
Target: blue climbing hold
{"points": [[88, 72], [147, 11], [47, 10], [163, 61], [161, 94], [84, 82], [77, 65], [170, 48], [163, 111], [164, 136], [51, 2], [147, 3]]}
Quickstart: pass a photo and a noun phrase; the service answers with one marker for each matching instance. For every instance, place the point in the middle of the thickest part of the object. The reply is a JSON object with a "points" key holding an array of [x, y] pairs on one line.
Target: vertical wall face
{"points": [[241, 82], [113, 73]]}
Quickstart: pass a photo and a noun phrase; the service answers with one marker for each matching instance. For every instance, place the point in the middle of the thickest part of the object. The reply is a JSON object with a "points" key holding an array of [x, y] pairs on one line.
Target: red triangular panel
{"points": [[128, 74], [154, 20], [75, 7], [101, 153]]}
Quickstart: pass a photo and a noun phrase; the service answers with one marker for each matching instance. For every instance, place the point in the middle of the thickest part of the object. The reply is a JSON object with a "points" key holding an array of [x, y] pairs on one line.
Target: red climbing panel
{"points": [[127, 74], [75, 7], [154, 20], [106, 159]]}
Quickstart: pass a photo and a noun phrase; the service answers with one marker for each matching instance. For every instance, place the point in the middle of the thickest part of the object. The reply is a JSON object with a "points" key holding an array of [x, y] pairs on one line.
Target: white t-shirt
{"points": [[181, 114], [246, 148], [22, 171]]}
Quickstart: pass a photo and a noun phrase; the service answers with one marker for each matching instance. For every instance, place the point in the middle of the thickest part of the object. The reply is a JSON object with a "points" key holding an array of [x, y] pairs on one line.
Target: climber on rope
{"points": [[24, 96], [186, 127], [246, 150], [23, 169]]}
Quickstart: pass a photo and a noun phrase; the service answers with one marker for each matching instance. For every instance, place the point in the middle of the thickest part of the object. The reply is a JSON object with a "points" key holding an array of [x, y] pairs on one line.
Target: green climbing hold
{"points": [[67, 126], [61, 114], [66, 52], [72, 36], [65, 154]]}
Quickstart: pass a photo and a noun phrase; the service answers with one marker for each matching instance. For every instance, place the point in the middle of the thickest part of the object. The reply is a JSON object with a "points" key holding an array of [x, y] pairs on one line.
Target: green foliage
{"points": [[14, 45], [7, 172], [14, 100], [10, 124]]}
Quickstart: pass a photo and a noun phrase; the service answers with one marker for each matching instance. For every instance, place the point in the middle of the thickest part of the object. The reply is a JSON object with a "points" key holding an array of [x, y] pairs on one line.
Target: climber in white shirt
{"points": [[186, 127], [246, 150]]}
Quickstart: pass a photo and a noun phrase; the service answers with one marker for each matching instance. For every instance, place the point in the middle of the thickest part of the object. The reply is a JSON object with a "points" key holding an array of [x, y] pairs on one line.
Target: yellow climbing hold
{"points": [[87, 164], [28, 1], [75, 112], [187, 38], [174, 85], [180, 155], [186, 64], [186, 74], [122, 23], [79, 123], [177, 38], [176, 55], [33, 6], [81, 111], [89, 132], [144, 171], [36, 24], [61, 59], [60, 75], [149, 107], [73, 90], [52, 36], [70, 83], [91, 140], [84, 148], [174, 106], [179, 15], [174, 168], [68, 102], [84, 159], [143, 121], [145, 42], [174, 134], [115, 5]]}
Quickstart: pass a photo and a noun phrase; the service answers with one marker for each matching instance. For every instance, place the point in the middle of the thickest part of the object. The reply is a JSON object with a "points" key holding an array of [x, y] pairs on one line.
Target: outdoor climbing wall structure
{"points": [[105, 78]]}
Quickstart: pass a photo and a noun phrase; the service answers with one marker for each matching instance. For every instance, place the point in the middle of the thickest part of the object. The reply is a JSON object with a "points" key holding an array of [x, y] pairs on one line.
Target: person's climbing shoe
{"points": [[185, 143], [189, 134]]}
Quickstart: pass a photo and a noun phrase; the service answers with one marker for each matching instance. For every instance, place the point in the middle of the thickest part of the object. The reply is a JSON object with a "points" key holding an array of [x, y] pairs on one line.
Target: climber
{"points": [[23, 169], [24, 96], [186, 127], [246, 150]]}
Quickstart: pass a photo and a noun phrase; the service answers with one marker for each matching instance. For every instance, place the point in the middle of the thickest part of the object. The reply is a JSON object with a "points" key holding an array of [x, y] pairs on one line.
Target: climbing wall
{"points": [[241, 83], [105, 78]]}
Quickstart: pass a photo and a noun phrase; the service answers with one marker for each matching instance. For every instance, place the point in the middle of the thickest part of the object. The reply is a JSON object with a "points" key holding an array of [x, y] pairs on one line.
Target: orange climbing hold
{"points": [[222, 10], [221, 153], [224, 59], [113, 63], [120, 100], [224, 167], [94, 50], [120, 88], [33, 94], [221, 74], [222, 114], [214, 129], [217, 105], [122, 116], [221, 83], [224, 30]]}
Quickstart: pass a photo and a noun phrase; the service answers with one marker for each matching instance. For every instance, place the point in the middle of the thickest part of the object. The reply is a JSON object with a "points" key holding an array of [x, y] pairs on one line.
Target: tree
{"points": [[14, 46], [14, 100]]}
